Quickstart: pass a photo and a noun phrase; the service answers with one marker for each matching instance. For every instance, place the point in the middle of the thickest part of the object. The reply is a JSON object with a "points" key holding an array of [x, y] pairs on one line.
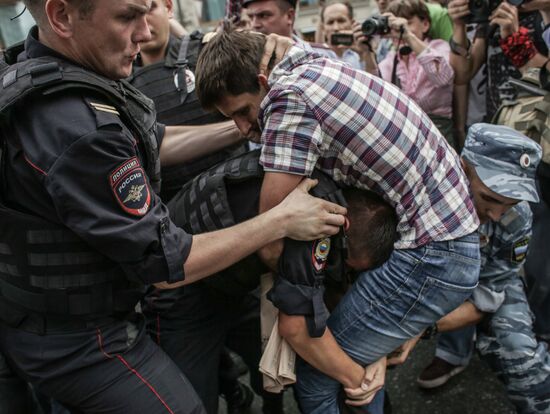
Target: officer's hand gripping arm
{"points": [[299, 216]]}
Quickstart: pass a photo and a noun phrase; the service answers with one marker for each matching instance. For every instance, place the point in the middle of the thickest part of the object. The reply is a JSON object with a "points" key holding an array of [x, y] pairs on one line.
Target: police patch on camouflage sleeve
{"points": [[519, 250], [130, 187], [319, 253]]}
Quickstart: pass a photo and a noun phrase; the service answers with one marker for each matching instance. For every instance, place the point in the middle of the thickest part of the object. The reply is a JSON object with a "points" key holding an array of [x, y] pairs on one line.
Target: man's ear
{"points": [[291, 14], [262, 79], [61, 16], [170, 7]]}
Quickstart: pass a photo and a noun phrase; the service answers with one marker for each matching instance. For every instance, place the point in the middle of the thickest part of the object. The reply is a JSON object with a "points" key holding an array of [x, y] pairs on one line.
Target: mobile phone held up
{"points": [[341, 39]]}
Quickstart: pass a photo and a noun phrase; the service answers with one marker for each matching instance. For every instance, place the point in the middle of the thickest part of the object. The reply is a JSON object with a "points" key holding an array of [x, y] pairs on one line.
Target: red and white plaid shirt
{"points": [[366, 133]]}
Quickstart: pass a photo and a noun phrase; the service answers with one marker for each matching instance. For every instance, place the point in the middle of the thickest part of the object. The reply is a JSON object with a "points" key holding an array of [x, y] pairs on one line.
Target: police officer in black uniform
{"points": [[193, 324], [82, 229], [164, 71]]}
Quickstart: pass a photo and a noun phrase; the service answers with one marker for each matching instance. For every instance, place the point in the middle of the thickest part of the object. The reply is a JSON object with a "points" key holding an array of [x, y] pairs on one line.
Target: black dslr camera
{"points": [[375, 25], [480, 10]]}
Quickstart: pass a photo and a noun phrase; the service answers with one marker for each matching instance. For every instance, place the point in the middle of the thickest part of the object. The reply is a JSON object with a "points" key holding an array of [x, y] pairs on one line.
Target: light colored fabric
{"points": [[352, 58], [268, 312], [278, 363], [278, 360], [13, 31], [441, 26], [427, 78]]}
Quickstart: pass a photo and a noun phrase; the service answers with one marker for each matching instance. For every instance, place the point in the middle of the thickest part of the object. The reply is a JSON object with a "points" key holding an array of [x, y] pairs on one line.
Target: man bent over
{"points": [[363, 132]]}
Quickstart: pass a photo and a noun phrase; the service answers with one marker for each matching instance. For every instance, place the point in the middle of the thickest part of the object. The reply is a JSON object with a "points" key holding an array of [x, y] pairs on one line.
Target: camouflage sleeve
{"points": [[502, 262]]}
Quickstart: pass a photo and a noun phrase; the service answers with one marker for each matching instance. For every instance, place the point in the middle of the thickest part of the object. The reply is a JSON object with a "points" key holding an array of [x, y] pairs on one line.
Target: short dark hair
{"points": [[283, 5], [333, 2], [373, 226], [228, 65], [409, 8], [36, 8]]}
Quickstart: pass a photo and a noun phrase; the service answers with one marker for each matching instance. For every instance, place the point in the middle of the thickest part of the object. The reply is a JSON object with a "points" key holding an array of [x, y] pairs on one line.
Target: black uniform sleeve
{"points": [[298, 287], [100, 191], [161, 130]]}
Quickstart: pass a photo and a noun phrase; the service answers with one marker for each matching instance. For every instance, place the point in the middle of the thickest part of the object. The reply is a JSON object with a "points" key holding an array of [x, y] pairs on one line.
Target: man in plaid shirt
{"points": [[314, 112]]}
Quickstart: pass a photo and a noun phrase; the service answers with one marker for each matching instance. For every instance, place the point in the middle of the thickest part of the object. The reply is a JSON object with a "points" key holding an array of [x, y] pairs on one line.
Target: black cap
{"points": [[246, 3]]}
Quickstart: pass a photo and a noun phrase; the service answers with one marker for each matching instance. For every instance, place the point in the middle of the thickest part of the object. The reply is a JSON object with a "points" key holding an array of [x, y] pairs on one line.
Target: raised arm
{"points": [[516, 41], [464, 59]]}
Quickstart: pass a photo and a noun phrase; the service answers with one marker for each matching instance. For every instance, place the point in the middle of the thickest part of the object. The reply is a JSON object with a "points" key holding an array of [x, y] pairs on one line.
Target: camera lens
{"points": [[369, 27]]}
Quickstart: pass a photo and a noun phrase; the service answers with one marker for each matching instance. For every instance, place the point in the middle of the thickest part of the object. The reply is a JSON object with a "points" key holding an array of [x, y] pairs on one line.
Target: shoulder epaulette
{"points": [[104, 108]]}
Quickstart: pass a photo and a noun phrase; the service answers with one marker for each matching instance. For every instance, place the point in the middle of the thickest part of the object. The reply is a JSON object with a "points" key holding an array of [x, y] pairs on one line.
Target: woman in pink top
{"points": [[423, 71]]}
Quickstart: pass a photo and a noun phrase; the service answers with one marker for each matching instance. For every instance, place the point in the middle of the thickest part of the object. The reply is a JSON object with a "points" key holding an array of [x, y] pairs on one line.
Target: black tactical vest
{"points": [[48, 75], [202, 205], [44, 267], [170, 84]]}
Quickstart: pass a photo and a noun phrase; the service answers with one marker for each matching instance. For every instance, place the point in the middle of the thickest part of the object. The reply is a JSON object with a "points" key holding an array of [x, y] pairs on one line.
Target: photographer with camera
{"points": [[441, 28], [508, 39], [419, 65], [336, 30]]}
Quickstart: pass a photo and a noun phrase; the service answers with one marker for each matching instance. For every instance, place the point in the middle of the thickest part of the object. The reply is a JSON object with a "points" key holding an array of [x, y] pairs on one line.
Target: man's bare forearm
{"points": [[186, 143], [300, 216], [536, 61], [323, 353], [465, 315], [460, 111], [275, 187], [210, 254], [460, 64], [464, 67]]}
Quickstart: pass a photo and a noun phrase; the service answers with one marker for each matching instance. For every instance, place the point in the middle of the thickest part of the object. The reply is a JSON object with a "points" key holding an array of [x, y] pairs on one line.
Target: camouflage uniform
{"points": [[505, 340], [508, 342]]}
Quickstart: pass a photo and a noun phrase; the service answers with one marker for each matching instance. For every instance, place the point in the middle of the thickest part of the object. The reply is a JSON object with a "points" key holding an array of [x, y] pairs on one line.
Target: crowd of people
{"points": [[156, 226]]}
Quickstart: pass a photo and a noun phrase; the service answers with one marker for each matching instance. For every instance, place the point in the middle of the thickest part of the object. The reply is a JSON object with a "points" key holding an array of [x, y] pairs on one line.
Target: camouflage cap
{"points": [[505, 160]]}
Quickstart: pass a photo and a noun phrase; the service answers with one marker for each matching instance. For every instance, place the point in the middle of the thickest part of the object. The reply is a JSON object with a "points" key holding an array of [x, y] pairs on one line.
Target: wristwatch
{"points": [[430, 332], [459, 49]]}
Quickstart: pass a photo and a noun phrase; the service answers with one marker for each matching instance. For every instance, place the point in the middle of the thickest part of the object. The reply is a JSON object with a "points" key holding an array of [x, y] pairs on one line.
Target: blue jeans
{"points": [[390, 304], [456, 347]]}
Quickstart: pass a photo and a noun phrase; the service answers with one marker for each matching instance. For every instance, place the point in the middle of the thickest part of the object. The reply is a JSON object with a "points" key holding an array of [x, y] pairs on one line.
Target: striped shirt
{"points": [[364, 132], [427, 78]]}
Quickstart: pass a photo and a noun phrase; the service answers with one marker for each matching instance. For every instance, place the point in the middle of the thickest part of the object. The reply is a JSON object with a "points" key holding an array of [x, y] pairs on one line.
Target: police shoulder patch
{"points": [[129, 185], [319, 253], [519, 250]]}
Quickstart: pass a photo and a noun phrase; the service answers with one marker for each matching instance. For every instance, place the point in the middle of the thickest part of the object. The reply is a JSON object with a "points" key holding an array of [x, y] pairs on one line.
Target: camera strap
{"points": [[394, 78]]}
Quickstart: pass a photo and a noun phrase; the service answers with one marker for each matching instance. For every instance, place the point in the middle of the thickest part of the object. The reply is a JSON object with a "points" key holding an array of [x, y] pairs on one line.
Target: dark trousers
{"points": [[196, 329], [537, 270], [113, 369], [15, 394]]}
